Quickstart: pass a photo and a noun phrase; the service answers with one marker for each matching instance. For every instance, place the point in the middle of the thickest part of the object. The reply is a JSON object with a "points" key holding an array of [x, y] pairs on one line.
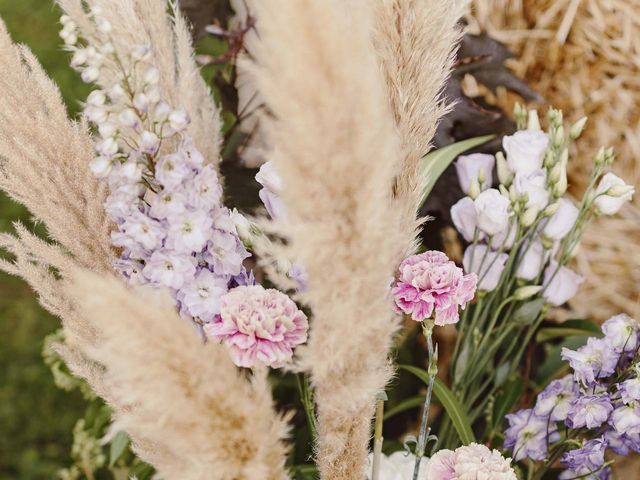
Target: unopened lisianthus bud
{"points": [[80, 57], [529, 216], [576, 129], [474, 188], [505, 175], [526, 292], [533, 122], [551, 209], [600, 156], [558, 137]]}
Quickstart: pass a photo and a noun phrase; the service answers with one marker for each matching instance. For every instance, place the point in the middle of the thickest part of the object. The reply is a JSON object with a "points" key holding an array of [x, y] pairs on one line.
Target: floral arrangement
{"points": [[192, 321]]}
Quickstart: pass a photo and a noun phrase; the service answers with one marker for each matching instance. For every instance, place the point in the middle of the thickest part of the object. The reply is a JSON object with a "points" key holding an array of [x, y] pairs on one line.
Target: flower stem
{"points": [[432, 370], [377, 445]]}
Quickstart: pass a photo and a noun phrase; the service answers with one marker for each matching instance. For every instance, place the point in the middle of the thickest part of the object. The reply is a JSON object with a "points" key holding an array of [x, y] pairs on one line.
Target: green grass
{"points": [[36, 418]]}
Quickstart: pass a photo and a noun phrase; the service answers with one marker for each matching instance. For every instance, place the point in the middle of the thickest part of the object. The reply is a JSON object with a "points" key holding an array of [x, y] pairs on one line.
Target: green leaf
{"points": [[436, 162], [461, 363], [568, 329], [305, 472], [505, 401], [404, 405], [450, 403], [501, 373], [527, 313], [119, 445]]}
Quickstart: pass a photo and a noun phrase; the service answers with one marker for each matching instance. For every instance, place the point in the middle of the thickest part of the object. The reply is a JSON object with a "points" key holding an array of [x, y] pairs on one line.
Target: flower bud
{"points": [[96, 98], [576, 129], [558, 137], [612, 193], [161, 112], [141, 102], [574, 251], [529, 216], [551, 209], [549, 159], [528, 291], [561, 186], [533, 122], [505, 175], [620, 190], [503, 190], [80, 57], [90, 74], [474, 188], [600, 156], [244, 227], [555, 117], [97, 115], [128, 118], [149, 142], [107, 147], [513, 195], [117, 93], [179, 120], [151, 76], [107, 129]]}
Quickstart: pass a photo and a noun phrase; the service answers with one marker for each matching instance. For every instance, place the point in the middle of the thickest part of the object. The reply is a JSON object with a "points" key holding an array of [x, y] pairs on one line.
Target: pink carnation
{"points": [[430, 282], [258, 326], [471, 462]]}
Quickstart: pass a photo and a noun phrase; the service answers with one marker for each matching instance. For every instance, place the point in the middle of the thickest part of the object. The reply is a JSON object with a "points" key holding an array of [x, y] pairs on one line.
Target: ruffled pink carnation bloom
{"points": [[430, 282], [258, 326], [471, 462]]}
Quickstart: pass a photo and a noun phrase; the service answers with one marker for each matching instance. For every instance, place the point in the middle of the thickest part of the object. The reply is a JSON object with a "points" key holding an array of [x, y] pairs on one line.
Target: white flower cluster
{"points": [[527, 224], [172, 227]]}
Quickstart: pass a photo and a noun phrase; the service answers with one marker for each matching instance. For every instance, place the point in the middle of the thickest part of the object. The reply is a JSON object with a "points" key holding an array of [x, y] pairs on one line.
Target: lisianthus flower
{"points": [[525, 150], [259, 326], [468, 168], [612, 193], [562, 285], [473, 461], [486, 264], [430, 284]]}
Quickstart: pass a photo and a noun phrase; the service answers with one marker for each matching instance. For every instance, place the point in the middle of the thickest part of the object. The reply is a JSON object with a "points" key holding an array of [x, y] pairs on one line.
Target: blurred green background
{"points": [[36, 418]]}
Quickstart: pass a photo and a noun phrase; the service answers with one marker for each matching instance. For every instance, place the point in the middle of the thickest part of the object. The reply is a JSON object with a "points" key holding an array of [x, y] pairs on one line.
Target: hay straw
{"points": [[583, 56]]}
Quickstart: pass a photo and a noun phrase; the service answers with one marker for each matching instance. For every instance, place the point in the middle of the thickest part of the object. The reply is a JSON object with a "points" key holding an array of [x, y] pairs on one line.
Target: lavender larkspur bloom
{"points": [[528, 435], [594, 360], [258, 326], [626, 419], [431, 284], [588, 459], [555, 400], [630, 390], [589, 411], [621, 332]]}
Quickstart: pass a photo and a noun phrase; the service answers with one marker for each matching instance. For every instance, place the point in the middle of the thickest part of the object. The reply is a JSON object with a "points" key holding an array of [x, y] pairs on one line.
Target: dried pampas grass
{"points": [[584, 57], [415, 41], [337, 149], [188, 409], [147, 23]]}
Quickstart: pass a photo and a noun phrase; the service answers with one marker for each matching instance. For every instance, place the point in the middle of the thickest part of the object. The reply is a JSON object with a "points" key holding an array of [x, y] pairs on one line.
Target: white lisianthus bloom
{"points": [[492, 211], [485, 263], [531, 263], [525, 150], [399, 466], [506, 237], [471, 462], [271, 182], [560, 286], [612, 193], [464, 217], [468, 168], [534, 184], [562, 221]]}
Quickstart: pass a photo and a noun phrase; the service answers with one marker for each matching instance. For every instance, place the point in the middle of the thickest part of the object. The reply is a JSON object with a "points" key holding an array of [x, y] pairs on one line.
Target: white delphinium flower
{"points": [[169, 269], [200, 297]]}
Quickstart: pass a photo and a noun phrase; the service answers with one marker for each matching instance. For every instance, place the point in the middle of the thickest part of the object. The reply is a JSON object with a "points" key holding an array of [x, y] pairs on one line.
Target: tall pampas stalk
{"points": [[337, 150], [188, 409], [415, 41]]}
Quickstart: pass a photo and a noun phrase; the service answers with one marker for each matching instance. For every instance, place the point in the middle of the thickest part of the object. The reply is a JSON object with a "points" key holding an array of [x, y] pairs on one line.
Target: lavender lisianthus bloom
{"points": [[555, 400], [271, 183], [621, 332], [589, 411], [588, 459], [626, 419], [594, 360], [528, 435]]}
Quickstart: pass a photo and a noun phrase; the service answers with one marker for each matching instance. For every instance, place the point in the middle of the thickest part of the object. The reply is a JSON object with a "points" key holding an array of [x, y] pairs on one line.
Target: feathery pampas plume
{"points": [[189, 411], [415, 41], [337, 150], [146, 23]]}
